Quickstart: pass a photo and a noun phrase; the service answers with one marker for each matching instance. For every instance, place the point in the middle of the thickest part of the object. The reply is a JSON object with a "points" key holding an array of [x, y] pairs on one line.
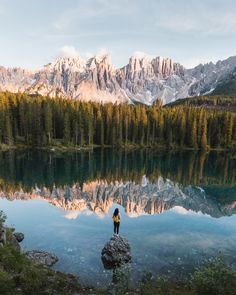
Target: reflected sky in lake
{"points": [[182, 236]]}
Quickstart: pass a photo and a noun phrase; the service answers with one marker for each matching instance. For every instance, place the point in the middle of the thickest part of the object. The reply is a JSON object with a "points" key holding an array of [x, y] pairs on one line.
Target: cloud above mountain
{"points": [[179, 29], [68, 51]]}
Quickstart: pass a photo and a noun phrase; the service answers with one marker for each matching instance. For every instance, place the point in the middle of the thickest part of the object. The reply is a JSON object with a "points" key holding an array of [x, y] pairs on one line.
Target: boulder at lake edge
{"points": [[116, 252], [19, 236], [42, 257]]}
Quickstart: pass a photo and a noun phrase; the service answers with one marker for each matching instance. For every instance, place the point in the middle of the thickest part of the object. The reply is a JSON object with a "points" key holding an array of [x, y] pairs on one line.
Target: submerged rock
{"points": [[42, 257], [116, 252], [19, 237]]}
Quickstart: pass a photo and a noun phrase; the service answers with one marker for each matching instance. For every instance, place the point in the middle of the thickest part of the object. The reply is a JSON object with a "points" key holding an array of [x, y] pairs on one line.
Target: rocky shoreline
{"points": [[37, 256], [36, 264], [27, 273]]}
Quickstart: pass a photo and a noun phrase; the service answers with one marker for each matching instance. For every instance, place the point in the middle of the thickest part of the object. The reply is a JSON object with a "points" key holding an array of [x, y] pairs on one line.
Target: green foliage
{"points": [[216, 277], [11, 259], [2, 218], [31, 279], [214, 102], [37, 121], [7, 284]]}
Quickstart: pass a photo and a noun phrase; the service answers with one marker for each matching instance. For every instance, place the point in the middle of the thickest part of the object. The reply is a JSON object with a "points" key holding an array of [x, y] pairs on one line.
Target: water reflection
{"points": [[26, 168], [82, 189], [137, 199]]}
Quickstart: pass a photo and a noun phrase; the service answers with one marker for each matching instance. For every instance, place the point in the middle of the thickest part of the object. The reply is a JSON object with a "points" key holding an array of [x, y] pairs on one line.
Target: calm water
{"points": [[177, 209]]}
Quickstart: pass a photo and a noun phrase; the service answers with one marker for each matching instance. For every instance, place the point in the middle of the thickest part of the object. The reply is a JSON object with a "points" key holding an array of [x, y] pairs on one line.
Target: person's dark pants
{"points": [[116, 227]]}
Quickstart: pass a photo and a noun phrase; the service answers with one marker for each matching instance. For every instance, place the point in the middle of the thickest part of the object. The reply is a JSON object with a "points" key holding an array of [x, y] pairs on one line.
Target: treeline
{"points": [[42, 121], [207, 101]]}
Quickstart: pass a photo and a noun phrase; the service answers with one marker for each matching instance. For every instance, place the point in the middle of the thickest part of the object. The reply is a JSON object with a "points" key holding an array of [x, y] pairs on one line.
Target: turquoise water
{"points": [[177, 209]]}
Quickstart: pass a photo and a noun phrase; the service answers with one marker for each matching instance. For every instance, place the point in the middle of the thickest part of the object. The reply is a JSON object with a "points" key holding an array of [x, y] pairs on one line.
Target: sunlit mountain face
{"points": [[142, 80], [97, 180]]}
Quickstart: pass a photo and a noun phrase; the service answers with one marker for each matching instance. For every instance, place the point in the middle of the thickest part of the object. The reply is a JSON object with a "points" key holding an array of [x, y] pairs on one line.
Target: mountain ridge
{"points": [[144, 79]]}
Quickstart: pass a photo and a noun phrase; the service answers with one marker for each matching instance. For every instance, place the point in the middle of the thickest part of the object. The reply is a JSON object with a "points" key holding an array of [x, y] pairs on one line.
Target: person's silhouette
{"points": [[116, 219]]}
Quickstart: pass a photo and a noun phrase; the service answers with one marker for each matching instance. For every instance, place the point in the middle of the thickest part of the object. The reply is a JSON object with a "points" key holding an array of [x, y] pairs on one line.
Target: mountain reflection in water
{"points": [[136, 198], [137, 180]]}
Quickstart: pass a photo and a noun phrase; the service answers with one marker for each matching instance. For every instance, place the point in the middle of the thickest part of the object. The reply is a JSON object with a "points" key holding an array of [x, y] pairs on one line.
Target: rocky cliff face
{"points": [[143, 79], [208, 76], [15, 79]]}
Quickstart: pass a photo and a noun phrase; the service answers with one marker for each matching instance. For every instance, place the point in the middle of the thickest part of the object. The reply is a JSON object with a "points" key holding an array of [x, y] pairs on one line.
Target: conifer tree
{"points": [[203, 132], [66, 128], [48, 121], [229, 128]]}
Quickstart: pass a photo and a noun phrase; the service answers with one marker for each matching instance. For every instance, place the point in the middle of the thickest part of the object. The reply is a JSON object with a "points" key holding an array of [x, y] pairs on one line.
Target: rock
{"points": [[13, 240], [10, 238], [19, 237], [42, 257], [116, 252], [2, 236]]}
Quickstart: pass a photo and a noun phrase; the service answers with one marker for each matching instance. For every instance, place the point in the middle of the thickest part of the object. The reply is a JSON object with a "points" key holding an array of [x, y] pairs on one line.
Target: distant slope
{"points": [[216, 102], [226, 87]]}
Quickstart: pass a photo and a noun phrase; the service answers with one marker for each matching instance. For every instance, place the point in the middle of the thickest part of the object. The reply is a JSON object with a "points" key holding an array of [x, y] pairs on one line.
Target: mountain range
{"points": [[144, 79]]}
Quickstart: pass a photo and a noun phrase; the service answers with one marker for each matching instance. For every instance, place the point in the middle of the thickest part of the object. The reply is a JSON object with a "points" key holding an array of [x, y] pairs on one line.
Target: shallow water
{"points": [[177, 209]]}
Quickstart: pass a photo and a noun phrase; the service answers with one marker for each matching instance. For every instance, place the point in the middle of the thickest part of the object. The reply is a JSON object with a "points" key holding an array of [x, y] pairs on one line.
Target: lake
{"points": [[177, 208]]}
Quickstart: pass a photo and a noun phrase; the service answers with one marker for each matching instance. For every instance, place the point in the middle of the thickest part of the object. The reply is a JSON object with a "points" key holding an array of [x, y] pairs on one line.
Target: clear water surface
{"points": [[177, 209]]}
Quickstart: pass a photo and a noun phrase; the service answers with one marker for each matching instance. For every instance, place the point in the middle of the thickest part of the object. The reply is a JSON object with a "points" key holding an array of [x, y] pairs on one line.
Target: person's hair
{"points": [[116, 212]]}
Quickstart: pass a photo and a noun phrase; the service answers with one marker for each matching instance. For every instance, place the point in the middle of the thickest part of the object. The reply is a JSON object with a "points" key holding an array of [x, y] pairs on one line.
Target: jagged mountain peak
{"points": [[100, 60], [66, 63], [103, 57], [144, 79], [143, 58], [140, 56]]}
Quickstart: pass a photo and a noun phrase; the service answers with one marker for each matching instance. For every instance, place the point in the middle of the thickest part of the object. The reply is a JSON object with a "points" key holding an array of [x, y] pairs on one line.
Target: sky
{"points": [[33, 33]]}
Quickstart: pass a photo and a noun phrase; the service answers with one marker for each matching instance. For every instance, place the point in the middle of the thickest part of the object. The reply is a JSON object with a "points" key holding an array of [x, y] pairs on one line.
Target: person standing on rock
{"points": [[116, 219]]}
